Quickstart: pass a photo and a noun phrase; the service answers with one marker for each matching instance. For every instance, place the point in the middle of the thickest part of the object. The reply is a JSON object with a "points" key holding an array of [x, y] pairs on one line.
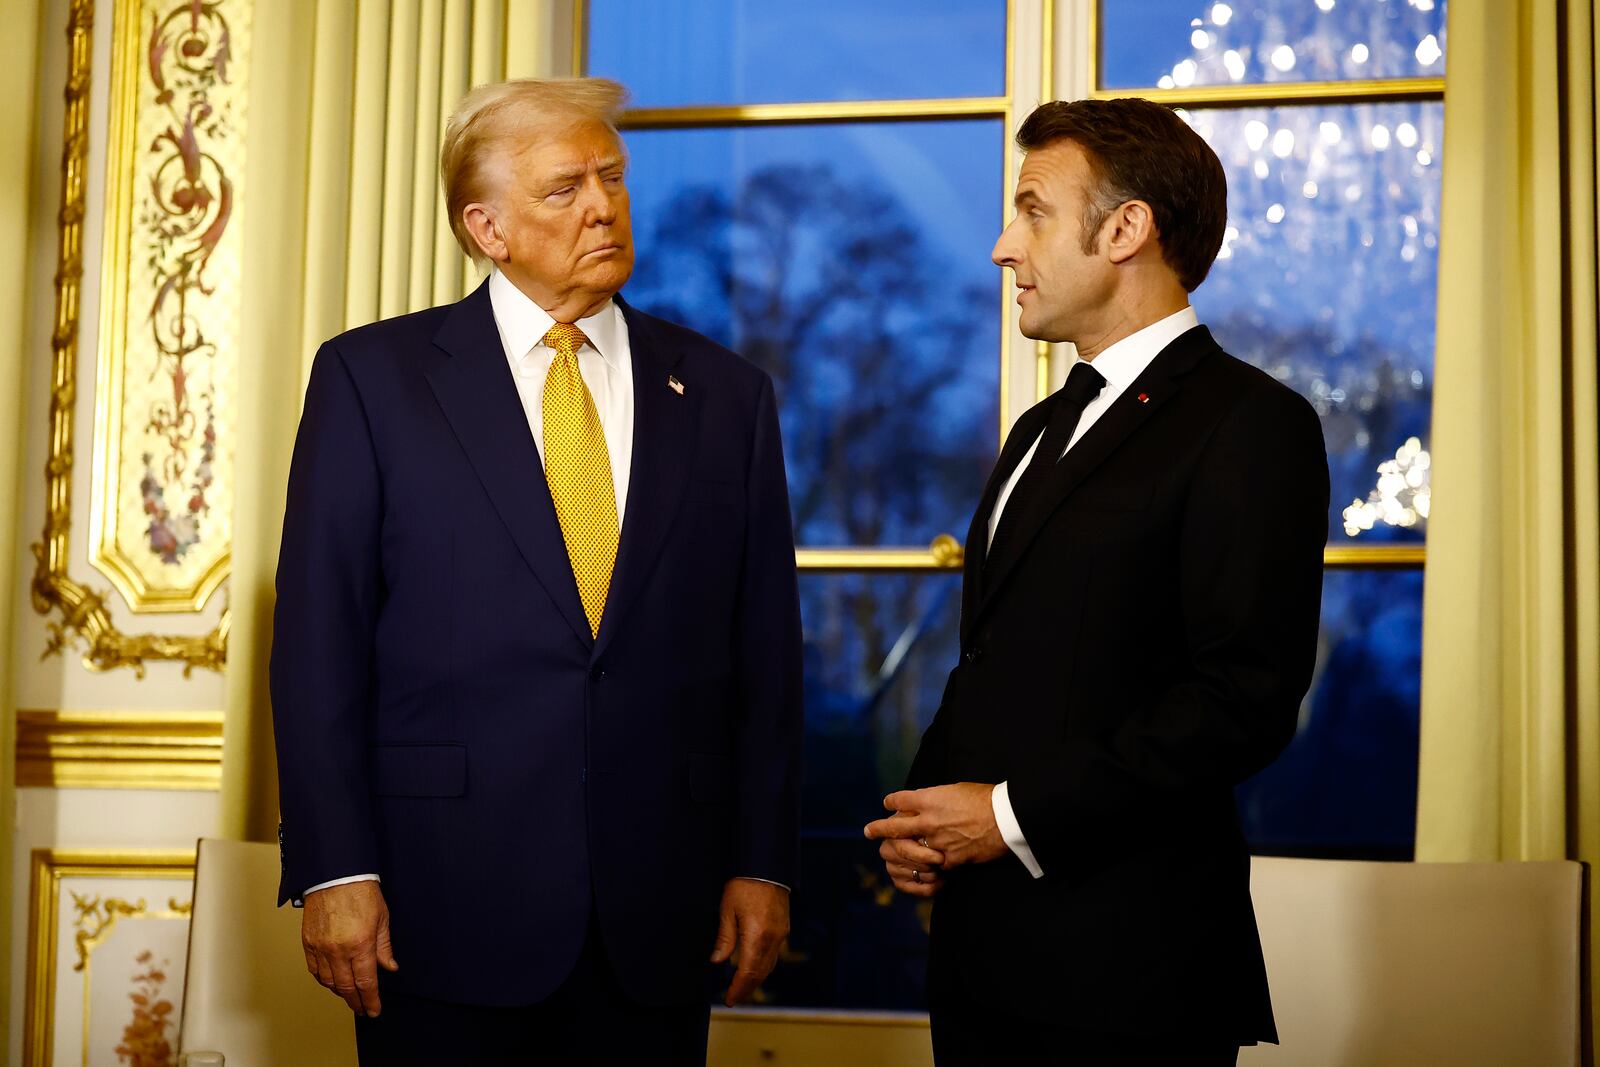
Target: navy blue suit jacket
{"points": [[443, 716]]}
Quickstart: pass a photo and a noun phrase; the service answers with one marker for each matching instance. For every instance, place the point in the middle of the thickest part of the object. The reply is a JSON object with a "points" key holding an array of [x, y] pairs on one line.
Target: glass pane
{"points": [[1347, 785], [680, 52], [877, 651], [852, 263], [1179, 43], [1327, 279]]}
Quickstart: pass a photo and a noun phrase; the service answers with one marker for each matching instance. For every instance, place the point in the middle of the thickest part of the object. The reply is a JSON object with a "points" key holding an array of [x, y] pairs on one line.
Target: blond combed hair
{"points": [[491, 118]]}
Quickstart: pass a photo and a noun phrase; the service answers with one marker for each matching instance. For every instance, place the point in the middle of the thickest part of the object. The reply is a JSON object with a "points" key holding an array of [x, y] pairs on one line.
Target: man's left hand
{"points": [[957, 820], [755, 920]]}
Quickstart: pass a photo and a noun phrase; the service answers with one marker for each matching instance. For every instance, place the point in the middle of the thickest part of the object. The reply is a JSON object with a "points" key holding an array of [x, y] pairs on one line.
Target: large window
{"points": [[819, 185], [1327, 115]]}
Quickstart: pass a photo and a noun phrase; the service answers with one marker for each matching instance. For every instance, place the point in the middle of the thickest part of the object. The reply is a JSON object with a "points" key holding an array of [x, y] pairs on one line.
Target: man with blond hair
{"points": [[536, 657]]}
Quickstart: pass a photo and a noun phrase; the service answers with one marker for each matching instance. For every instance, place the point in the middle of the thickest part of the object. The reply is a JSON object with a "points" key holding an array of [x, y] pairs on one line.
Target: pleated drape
{"points": [[1510, 760]]}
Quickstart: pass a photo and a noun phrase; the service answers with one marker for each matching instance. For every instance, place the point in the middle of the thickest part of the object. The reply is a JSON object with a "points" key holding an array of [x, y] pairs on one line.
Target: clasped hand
{"points": [[934, 830]]}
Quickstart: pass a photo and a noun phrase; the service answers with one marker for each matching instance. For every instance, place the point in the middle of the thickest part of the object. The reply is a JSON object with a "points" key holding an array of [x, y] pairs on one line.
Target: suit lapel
{"points": [[1023, 433], [479, 398], [663, 446], [1127, 414]]}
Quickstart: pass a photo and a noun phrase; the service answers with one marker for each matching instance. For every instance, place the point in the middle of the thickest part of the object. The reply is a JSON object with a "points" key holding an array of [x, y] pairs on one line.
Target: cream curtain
{"points": [[1510, 764], [19, 70], [343, 224]]}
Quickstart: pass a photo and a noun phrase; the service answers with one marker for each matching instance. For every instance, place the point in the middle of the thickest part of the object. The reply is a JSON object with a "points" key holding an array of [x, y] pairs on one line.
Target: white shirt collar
{"points": [[1124, 361], [524, 323]]}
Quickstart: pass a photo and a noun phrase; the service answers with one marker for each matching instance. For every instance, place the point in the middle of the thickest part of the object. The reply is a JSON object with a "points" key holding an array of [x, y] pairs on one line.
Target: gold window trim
{"points": [[78, 612], [47, 870]]}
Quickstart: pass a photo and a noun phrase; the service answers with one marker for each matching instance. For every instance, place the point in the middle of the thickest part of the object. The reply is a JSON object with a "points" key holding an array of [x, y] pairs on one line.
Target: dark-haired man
{"points": [[1138, 625]]}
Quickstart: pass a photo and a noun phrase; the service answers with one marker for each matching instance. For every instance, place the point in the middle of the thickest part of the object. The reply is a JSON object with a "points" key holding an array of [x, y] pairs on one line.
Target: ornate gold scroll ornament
{"points": [[160, 523]]}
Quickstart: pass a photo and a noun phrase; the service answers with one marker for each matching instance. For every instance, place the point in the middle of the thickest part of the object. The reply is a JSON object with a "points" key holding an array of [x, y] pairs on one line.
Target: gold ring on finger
{"points": [[916, 876]]}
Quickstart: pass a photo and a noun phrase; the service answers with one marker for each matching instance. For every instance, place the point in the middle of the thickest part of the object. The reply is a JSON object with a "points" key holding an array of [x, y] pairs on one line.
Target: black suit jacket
{"points": [[444, 716], [1142, 646]]}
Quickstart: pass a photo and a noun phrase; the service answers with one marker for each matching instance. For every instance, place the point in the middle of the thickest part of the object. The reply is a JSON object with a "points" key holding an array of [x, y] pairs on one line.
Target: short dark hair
{"points": [[1140, 150]]}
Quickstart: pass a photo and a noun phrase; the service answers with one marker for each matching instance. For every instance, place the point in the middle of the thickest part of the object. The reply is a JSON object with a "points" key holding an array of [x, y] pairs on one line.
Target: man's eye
{"points": [[566, 190]]}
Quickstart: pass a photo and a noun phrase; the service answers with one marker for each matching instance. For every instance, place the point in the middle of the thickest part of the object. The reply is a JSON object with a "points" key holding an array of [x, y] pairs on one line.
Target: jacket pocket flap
{"points": [[419, 770]]}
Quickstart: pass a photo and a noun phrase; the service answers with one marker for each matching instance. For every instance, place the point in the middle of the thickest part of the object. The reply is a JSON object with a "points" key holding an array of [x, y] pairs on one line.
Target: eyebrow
{"points": [[574, 173], [1025, 196]]}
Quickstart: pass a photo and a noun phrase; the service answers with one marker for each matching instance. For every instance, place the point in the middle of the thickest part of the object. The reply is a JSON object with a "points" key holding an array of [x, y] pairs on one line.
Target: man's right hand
{"points": [[345, 933]]}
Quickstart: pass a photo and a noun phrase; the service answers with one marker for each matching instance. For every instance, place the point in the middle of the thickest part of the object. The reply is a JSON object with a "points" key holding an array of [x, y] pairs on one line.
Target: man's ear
{"points": [[480, 222], [1132, 227]]}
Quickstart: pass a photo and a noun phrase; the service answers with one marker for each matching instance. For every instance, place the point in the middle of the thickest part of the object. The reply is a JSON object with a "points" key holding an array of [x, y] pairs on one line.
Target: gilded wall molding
{"points": [[78, 613], [96, 916], [119, 750], [161, 515]]}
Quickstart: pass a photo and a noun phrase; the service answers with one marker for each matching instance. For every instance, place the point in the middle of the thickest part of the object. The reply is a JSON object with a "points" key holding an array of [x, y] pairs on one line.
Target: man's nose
{"points": [[600, 207], [1005, 252]]}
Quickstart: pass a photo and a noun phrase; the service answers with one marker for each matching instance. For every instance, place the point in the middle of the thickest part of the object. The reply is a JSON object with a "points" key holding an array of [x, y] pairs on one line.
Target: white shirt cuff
{"points": [[340, 881], [1011, 830], [768, 881]]}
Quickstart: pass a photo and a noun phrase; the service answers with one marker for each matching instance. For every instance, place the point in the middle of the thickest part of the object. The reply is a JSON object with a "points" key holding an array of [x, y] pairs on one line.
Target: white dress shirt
{"points": [[606, 364], [1119, 365]]}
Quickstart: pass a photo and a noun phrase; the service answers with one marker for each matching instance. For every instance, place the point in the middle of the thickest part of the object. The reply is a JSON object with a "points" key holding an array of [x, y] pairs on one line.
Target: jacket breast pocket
{"points": [[419, 770]]}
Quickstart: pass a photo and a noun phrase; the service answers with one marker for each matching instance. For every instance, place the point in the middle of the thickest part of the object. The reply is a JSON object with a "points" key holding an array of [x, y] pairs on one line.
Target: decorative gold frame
{"points": [[83, 611], [119, 750], [48, 868], [124, 152]]}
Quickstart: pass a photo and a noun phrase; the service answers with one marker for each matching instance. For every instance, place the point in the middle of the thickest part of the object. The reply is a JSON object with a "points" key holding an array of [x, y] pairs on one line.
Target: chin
{"points": [[611, 276], [1031, 328]]}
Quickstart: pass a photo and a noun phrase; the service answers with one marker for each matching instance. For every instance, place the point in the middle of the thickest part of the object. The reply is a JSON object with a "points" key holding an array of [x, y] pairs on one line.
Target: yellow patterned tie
{"points": [[578, 468]]}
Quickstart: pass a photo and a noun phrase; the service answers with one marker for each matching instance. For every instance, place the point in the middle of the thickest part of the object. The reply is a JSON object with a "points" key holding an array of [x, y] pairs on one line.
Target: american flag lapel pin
{"points": [[675, 385]]}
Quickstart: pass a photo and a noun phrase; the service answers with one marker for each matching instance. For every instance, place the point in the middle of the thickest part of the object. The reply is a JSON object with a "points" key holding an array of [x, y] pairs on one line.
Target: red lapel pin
{"points": [[1144, 398]]}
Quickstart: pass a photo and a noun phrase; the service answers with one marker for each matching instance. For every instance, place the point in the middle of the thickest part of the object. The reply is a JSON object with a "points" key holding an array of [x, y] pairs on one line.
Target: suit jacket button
{"points": [[596, 674], [974, 654]]}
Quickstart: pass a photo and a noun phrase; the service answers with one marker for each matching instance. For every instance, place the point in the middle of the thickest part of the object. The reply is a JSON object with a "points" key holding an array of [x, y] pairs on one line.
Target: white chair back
{"points": [[1380, 964], [247, 994]]}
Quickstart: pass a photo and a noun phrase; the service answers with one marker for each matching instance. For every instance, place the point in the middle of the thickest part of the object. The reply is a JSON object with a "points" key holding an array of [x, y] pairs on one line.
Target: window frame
{"points": [[1029, 67]]}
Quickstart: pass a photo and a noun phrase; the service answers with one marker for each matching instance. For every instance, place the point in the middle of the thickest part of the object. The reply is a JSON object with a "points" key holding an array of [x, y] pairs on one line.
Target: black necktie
{"points": [[1083, 385]]}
